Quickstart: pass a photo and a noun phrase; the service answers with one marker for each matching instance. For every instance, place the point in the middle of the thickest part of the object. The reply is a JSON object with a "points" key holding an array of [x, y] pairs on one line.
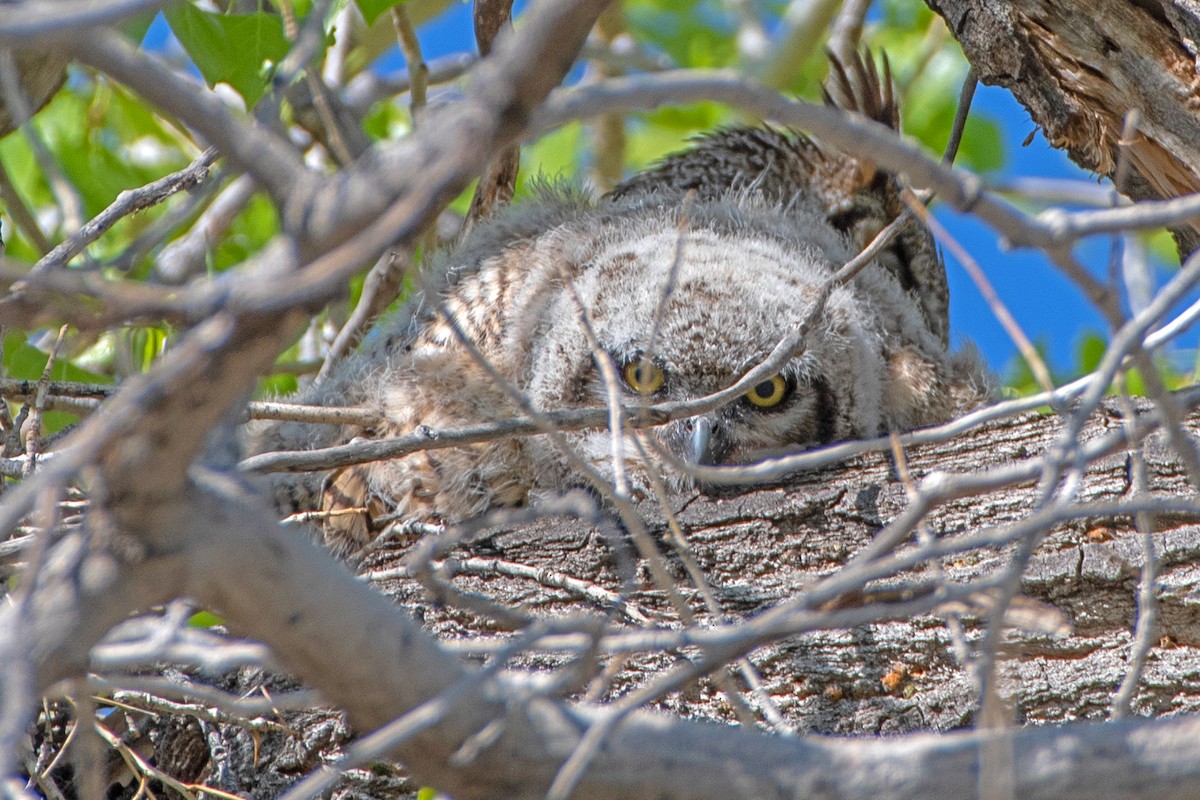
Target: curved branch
{"points": [[46, 21], [270, 158]]}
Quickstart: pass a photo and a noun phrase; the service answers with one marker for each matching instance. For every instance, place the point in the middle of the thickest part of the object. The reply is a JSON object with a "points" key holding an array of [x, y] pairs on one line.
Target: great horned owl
{"points": [[746, 225]]}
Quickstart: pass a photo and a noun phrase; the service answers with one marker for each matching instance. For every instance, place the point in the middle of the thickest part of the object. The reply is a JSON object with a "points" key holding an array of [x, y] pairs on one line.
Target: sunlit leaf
{"points": [[230, 48], [372, 9], [553, 156], [205, 619], [693, 35], [1135, 384], [1162, 247], [280, 384], [24, 361], [252, 228], [1089, 352], [387, 121], [982, 147]]}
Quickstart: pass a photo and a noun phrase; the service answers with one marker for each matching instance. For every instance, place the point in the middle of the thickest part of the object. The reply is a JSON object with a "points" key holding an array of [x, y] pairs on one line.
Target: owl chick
{"points": [[744, 228]]}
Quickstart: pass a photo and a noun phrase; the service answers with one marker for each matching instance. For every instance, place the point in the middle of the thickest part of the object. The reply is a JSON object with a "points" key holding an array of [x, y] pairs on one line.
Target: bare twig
{"points": [[499, 178], [954, 140], [128, 202], [204, 702], [553, 580], [33, 438], [270, 158], [845, 32], [1147, 601], [21, 215], [863, 139], [47, 19], [368, 88], [92, 393], [141, 767], [418, 70]]}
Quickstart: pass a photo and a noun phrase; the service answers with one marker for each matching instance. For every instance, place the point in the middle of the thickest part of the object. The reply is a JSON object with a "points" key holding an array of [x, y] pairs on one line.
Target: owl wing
{"points": [[782, 167]]}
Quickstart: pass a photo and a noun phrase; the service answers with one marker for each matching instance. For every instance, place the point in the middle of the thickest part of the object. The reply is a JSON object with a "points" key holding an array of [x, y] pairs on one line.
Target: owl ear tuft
{"points": [[855, 84]]}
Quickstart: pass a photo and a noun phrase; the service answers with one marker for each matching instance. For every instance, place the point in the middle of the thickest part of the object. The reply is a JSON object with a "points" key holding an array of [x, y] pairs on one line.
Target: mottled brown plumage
{"points": [[746, 226]]}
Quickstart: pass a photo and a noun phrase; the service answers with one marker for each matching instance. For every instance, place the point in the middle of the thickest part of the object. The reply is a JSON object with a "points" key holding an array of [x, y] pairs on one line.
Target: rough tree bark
{"points": [[890, 655], [1081, 67], [1065, 656]]}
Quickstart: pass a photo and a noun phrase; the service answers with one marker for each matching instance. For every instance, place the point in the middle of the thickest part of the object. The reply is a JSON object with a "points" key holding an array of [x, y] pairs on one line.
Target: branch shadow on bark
{"points": [[902, 665]]}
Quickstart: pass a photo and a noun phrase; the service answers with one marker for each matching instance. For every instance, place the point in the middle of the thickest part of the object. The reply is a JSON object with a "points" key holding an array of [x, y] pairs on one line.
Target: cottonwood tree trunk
{"points": [[1063, 657], [1081, 68]]}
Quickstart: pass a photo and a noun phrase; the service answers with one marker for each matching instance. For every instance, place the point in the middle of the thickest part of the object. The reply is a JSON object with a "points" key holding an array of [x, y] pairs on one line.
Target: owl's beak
{"points": [[699, 440]]}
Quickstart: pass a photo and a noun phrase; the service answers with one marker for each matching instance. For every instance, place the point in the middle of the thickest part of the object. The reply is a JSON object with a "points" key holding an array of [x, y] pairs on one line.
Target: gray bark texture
{"points": [[1065, 654], [764, 547], [997, 587], [1081, 68]]}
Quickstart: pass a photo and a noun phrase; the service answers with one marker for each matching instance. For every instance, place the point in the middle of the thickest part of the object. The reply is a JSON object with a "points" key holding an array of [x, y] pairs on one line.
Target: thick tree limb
{"points": [[47, 21], [1081, 67], [282, 590], [855, 598]]}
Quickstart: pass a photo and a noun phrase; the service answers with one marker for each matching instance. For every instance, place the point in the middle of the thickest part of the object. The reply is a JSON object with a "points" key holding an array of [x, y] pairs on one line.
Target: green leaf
{"points": [[106, 141], [135, 27], [371, 9], [252, 229], [280, 384], [23, 360], [1162, 246], [230, 48], [982, 145], [387, 120], [700, 35], [26, 362], [1135, 384], [205, 619], [1090, 351], [146, 344], [554, 155]]}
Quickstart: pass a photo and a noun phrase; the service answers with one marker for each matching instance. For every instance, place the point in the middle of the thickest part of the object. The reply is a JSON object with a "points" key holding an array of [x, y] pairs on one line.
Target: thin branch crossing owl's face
{"points": [[689, 273], [684, 315]]}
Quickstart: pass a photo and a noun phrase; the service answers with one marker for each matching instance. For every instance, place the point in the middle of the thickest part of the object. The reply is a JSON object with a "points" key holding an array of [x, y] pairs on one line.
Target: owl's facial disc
{"points": [[710, 439]]}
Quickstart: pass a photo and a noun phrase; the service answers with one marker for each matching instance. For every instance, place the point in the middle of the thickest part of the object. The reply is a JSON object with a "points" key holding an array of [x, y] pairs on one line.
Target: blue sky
{"points": [[1050, 310]]}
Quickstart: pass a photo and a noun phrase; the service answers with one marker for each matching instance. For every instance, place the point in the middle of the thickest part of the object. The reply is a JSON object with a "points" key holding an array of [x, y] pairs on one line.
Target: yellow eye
{"points": [[644, 377], [769, 392]]}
